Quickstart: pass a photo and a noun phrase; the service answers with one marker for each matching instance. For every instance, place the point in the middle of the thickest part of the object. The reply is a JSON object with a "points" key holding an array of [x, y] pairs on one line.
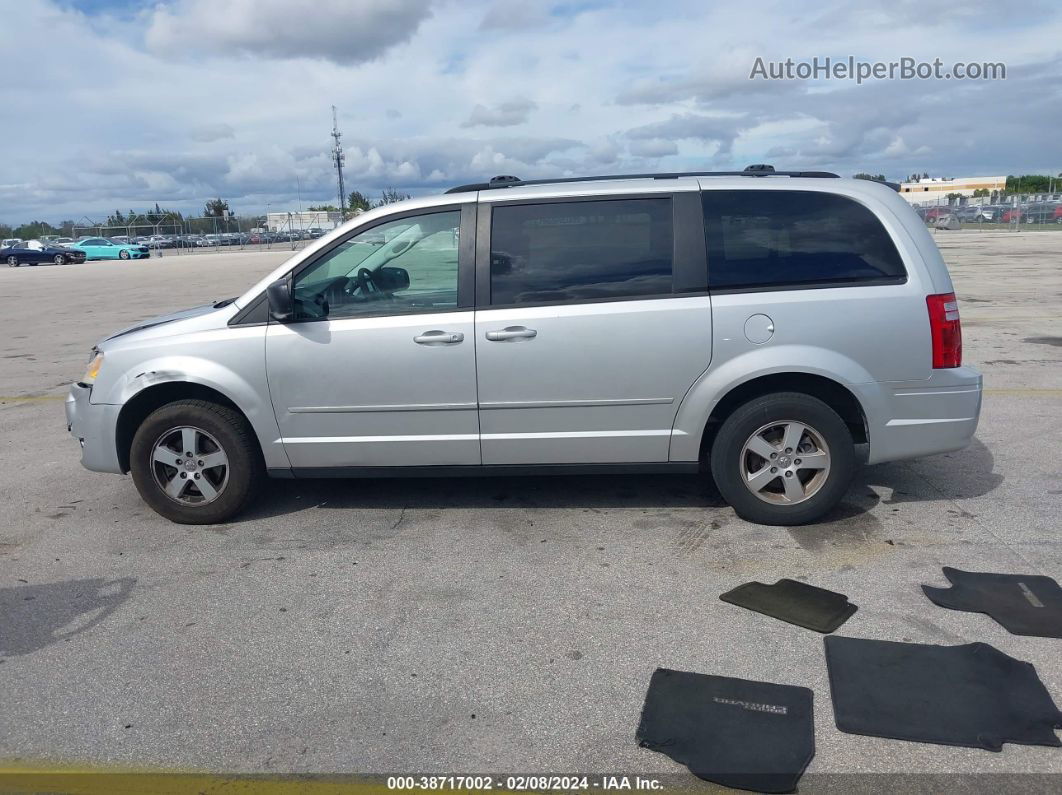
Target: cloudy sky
{"points": [[121, 103]]}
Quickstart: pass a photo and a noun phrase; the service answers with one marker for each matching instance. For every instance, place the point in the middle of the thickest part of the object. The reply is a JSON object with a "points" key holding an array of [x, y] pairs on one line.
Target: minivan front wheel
{"points": [[783, 459], [195, 462]]}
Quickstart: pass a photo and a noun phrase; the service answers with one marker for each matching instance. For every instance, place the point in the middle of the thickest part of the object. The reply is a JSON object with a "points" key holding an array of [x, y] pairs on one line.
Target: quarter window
{"points": [[773, 238], [399, 267], [580, 251]]}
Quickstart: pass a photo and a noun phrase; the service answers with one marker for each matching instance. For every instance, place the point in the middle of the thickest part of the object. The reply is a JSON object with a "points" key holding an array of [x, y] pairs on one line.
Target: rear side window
{"points": [[773, 238], [580, 251]]}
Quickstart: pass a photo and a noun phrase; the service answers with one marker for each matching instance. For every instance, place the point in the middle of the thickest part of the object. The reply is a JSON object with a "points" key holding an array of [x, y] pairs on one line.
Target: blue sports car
{"points": [[103, 248]]}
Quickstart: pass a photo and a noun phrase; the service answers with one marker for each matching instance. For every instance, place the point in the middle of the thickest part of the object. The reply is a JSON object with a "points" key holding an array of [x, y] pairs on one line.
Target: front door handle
{"points": [[512, 333], [436, 337]]}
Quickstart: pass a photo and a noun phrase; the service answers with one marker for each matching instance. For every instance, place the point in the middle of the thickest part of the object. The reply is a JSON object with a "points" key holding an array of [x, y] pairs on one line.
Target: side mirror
{"points": [[280, 304]]}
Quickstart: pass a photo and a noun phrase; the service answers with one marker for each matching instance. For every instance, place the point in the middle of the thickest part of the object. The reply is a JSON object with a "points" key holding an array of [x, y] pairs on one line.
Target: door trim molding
{"points": [[565, 404], [379, 408]]}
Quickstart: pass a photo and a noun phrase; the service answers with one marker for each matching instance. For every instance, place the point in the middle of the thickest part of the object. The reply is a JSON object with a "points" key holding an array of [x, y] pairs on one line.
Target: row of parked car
{"points": [[1049, 212], [221, 239], [60, 250]]}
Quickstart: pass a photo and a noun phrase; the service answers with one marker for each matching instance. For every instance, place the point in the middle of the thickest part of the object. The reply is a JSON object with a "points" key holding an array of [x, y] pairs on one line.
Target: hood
{"points": [[183, 314]]}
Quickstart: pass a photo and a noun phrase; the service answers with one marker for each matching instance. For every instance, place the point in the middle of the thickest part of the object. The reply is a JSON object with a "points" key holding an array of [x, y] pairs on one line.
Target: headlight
{"points": [[93, 368]]}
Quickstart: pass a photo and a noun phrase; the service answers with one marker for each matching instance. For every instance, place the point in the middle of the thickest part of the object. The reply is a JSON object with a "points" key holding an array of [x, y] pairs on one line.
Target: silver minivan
{"points": [[775, 329]]}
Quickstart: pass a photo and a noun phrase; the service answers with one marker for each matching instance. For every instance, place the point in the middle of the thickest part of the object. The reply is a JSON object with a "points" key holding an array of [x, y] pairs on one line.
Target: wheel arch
{"points": [[143, 403], [831, 392]]}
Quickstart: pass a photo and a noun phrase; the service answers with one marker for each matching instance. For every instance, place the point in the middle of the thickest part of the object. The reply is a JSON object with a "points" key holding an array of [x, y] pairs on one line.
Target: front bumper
{"points": [[95, 427]]}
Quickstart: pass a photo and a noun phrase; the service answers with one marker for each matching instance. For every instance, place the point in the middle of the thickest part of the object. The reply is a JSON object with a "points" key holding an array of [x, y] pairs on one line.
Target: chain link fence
{"points": [[998, 210], [175, 234]]}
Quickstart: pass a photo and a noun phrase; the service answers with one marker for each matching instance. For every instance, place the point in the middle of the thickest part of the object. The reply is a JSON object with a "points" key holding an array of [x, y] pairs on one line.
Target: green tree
{"points": [[322, 208], [34, 229], [871, 177], [215, 208], [359, 201], [1031, 183], [390, 196], [980, 192]]}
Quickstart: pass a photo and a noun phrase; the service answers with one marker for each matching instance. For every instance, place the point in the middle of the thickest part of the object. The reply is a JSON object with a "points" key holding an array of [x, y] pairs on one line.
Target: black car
{"points": [[34, 252]]}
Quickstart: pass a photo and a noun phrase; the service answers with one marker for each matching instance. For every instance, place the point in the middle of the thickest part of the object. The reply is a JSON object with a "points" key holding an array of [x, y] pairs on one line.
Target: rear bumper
{"points": [[94, 425], [909, 419]]}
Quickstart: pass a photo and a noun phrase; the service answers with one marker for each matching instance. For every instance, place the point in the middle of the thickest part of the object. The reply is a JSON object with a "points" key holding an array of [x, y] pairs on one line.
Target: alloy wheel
{"points": [[785, 462], [189, 466]]}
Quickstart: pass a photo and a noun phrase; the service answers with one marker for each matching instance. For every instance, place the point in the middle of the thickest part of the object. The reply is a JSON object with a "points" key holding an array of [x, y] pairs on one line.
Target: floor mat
{"points": [[1025, 604], [735, 732], [972, 695], [794, 602]]}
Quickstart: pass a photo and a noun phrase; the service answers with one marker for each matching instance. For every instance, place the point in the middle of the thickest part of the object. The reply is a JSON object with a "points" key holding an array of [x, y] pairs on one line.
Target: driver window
{"points": [[399, 267]]}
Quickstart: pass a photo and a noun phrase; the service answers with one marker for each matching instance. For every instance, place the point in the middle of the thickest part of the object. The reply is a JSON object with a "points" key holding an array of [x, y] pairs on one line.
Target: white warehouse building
{"points": [[936, 189]]}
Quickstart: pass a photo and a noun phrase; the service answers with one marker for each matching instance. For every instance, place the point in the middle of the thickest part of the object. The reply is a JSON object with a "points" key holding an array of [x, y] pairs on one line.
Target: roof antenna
{"points": [[502, 180]]}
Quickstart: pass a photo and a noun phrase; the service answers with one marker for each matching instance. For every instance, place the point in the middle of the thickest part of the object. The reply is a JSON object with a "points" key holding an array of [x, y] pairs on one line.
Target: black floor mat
{"points": [[735, 732], [1025, 604], [972, 695], [794, 602]]}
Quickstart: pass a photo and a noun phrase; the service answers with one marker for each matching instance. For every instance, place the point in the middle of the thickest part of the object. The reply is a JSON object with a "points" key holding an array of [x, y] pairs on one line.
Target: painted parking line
{"points": [[1020, 391]]}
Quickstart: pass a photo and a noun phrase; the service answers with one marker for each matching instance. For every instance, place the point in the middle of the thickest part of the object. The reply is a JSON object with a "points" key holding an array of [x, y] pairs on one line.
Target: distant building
{"points": [[286, 222], [936, 189]]}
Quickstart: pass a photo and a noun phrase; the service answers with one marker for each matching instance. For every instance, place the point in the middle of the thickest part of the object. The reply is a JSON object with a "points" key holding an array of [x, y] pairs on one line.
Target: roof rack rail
{"points": [[757, 170]]}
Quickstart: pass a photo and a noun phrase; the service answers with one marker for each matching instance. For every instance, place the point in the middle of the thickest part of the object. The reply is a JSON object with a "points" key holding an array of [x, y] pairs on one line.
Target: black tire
{"points": [[123, 254], [235, 438], [728, 464], [59, 259]]}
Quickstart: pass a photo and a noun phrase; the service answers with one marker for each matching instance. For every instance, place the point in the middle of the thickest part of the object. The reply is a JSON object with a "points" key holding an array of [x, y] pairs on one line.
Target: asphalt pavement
{"points": [[480, 625]]}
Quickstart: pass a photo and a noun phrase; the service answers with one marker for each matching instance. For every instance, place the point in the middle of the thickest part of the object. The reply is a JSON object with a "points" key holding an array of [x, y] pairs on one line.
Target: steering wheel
{"points": [[365, 282]]}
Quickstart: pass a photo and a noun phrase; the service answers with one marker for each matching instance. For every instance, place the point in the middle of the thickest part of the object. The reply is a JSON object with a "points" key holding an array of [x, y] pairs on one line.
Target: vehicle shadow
{"points": [[582, 491], [965, 473], [962, 474], [35, 616]]}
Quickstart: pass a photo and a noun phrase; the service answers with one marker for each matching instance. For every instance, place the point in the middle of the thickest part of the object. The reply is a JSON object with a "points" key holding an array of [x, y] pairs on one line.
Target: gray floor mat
{"points": [[794, 602], [1025, 604]]}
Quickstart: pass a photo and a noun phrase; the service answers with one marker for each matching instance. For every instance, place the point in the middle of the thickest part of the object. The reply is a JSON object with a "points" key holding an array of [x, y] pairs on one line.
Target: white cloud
{"points": [[505, 114], [344, 31], [205, 133], [189, 99]]}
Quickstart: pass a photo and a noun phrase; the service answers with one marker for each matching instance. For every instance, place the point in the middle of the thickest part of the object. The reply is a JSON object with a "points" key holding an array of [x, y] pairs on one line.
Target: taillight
{"points": [[946, 330]]}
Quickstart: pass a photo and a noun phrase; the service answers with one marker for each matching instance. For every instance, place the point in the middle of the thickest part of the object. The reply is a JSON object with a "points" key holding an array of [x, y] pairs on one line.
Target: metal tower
{"points": [[338, 158]]}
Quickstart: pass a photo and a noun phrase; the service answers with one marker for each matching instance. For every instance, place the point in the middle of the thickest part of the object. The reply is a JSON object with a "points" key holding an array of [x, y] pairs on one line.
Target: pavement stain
{"points": [[1053, 341]]}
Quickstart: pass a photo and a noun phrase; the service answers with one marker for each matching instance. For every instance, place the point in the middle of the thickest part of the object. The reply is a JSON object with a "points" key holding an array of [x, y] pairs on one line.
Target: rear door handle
{"points": [[436, 337], [512, 333]]}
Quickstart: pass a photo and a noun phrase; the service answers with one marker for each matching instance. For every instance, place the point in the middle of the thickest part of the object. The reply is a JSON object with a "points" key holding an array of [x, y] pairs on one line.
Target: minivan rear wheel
{"points": [[196, 462], [783, 459]]}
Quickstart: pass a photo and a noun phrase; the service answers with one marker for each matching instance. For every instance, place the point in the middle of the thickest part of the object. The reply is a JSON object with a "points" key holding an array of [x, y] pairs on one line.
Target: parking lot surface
{"points": [[480, 625]]}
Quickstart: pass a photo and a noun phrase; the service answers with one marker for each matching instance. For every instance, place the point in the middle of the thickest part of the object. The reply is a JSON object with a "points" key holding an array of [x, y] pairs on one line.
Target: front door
{"points": [[379, 367], [598, 323]]}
